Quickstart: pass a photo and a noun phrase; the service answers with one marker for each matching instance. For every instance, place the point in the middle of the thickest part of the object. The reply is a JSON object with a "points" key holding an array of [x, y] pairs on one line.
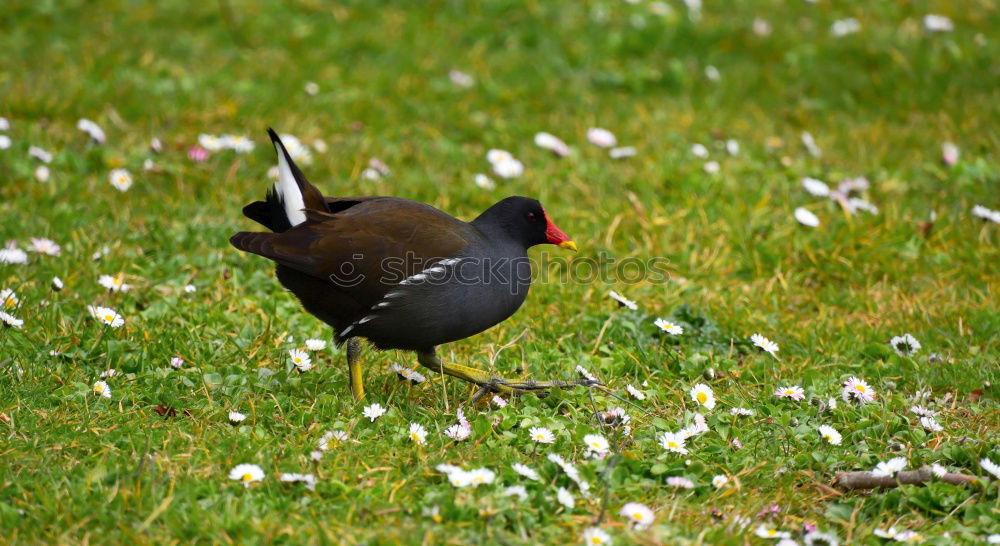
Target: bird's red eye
{"points": [[531, 216]]}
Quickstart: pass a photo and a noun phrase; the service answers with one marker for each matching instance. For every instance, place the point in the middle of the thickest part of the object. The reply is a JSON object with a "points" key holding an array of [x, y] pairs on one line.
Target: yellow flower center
{"points": [[595, 540], [771, 532], [109, 318], [9, 302], [98, 388], [789, 391], [702, 397], [415, 437], [860, 388], [637, 516], [297, 360], [477, 479], [247, 477], [672, 444]]}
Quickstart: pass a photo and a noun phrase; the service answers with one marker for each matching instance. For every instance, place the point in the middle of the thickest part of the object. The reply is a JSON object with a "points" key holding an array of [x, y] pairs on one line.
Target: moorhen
{"points": [[399, 273]]}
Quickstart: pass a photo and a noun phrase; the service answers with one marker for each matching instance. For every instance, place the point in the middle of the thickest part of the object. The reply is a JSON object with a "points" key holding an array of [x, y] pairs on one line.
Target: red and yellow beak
{"points": [[555, 236]]}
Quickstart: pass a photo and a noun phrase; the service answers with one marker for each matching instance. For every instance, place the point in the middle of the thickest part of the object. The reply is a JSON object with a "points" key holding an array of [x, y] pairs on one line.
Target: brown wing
{"points": [[367, 248]]}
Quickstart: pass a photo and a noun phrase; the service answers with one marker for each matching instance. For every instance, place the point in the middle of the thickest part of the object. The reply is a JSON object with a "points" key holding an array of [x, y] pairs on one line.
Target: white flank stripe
{"points": [[288, 191]]}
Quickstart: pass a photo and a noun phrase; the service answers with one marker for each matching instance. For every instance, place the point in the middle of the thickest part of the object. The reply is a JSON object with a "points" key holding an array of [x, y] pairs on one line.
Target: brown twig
{"points": [[867, 480]]}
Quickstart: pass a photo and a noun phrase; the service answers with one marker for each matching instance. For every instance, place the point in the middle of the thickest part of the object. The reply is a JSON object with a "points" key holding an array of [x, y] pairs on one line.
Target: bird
{"points": [[399, 273]]}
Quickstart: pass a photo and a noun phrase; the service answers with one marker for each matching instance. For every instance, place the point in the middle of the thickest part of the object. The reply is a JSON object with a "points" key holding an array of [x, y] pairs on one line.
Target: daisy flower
{"points": [[510, 168], [44, 246], [905, 345], [741, 412], [418, 434], [616, 417], [499, 401], [516, 491], [300, 359], [719, 481], [922, 411], [373, 412], [732, 147], [765, 344], [458, 478], [622, 300], [40, 154], [315, 344], [680, 482], [703, 395], [764, 531], [8, 299], [410, 375], [176, 362], [673, 442], [805, 217], [42, 173], [114, 283], [565, 498], [459, 431], [526, 471], [634, 392], [460, 78], [938, 470], [815, 187], [697, 428], [601, 137], [10, 254], [10, 321], [794, 392], [102, 389], [639, 515], [584, 373], [121, 179], [107, 316], [810, 144], [307, 479], [596, 537], [890, 467], [815, 537], [190, 289], [597, 444], [889, 533], [668, 327], [844, 27], [552, 143], [949, 153], [990, 467], [541, 435], [711, 167], [938, 23], [311, 88], [246, 473], [481, 476], [623, 152], [858, 390], [111, 372], [484, 182], [332, 436], [236, 417], [931, 424], [830, 434], [4, 124], [699, 151], [712, 73], [92, 130]]}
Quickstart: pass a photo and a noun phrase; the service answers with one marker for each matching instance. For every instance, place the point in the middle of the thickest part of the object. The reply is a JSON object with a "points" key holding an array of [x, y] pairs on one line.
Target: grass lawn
{"points": [[151, 463]]}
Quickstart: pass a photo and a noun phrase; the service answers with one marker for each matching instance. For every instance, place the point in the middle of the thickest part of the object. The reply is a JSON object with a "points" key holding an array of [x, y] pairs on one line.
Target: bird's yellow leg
{"points": [[354, 368], [491, 382]]}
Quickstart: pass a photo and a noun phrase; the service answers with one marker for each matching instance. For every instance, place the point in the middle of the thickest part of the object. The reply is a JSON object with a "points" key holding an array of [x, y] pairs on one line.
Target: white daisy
{"points": [[10, 321], [5, 142], [247, 474], [622, 300], [699, 151], [597, 444], [703, 395], [101, 389], [418, 434], [315, 344], [44, 246], [458, 478], [680, 482], [596, 537], [719, 481], [711, 167], [855, 204], [766, 532], [331, 437], [190, 289], [638, 514], [922, 411], [110, 372], [311, 88], [673, 442], [552, 143], [668, 327], [805, 217], [92, 130], [498, 401], [623, 152], [816, 187], [300, 359], [712, 73], [889, 533], [810, 143], [857, 390], [8, 299], [741, 412], [938, 23], [938, 470], [176, 362], [794, 392], [114, 283], [949, 153], [931, 424], [890, 467], [765, 344], [844, 27], [10, 254], [42, 173], [373, 412], [830, 434], [584, 373], [481, 476], [634, 392], [4, 124], [458, 431], [526, 471], [40, 154], [601, 137], [565, 498], [484, 182], [615, 417], [510, 168], [371, 174], [516, 491], [106, 315], [905, 345], [541, 435], [496, 155], [236, 417], [461, 79], [990, 467], [241, 144], [307, 479], [121, 179]]}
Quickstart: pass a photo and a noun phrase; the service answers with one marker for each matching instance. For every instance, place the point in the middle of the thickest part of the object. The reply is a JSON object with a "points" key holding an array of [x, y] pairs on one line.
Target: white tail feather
{"points": [[288, 191]]}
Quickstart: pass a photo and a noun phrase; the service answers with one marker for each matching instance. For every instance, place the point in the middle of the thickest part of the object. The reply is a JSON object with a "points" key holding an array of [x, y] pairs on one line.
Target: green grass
{"points": [[77, 468]]}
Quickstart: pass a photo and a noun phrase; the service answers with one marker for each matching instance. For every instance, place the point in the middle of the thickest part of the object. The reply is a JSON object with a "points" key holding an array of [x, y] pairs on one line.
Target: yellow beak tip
{"points": [[568, 244]]}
